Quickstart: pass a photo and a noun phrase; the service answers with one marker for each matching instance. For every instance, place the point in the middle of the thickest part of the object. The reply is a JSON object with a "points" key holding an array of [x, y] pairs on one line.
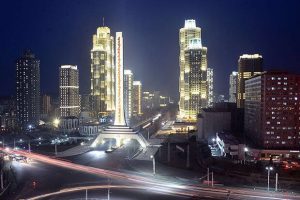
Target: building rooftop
{"points": [[250, 56]]}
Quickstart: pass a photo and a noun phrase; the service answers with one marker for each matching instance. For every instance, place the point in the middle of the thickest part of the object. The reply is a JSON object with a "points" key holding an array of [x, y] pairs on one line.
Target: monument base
{"points": [[120, 134]]}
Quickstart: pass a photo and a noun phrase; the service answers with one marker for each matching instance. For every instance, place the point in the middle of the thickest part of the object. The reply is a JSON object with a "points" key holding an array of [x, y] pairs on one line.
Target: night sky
{"points": [[60, 32]]}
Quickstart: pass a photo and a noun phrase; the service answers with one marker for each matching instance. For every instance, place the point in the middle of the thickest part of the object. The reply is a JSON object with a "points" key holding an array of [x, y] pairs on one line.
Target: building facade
{"points": [[137, 98], [195, 79], [28, 90], [69, 124], [90, 129], [46, 106], [128, 95], [103, 72], [69, 91], [233, 78], [272, 110], [211, 121], [248, 66]]}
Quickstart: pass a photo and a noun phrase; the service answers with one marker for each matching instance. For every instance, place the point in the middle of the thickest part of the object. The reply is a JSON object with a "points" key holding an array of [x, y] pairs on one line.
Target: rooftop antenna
{"points": [[103, 21]]}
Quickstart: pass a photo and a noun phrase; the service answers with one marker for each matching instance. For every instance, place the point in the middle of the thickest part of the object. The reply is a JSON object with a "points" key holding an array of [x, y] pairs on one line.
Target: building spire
{"points": [[103, 21]]}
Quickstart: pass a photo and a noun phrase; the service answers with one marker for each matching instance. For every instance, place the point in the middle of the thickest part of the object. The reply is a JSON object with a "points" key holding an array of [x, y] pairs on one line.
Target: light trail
{"points": [[76, 189], [153, 183]]}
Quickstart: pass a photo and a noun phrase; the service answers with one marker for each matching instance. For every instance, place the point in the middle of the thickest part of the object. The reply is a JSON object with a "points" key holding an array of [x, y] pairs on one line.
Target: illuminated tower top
{"points": [[190, 23]]}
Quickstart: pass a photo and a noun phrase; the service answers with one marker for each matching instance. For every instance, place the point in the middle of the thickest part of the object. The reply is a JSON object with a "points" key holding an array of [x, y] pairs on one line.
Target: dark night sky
{"points": [[60, 32]]}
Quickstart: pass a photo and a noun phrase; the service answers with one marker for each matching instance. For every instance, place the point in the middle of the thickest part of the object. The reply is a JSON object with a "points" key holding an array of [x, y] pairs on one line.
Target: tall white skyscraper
{"points": [[193, 86], [69, 91], [128, 94], [233, 78]]}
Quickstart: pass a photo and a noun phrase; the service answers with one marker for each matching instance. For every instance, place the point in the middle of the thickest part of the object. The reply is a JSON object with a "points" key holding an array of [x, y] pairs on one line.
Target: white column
{"points": [[119, 112]]}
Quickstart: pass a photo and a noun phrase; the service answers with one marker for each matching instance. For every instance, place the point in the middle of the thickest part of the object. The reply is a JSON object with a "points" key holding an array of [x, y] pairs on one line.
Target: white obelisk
{"points": [[119, 113]]}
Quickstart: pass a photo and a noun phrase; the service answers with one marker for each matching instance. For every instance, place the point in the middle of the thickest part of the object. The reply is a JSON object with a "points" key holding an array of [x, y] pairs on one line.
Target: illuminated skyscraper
{"points": [[103, 72], [28, 90], [248, 66], [193, 86], [188, 32], [128, 87], [69, 91], [137, 98], [232, 86], [210, 83], [195, 79]]}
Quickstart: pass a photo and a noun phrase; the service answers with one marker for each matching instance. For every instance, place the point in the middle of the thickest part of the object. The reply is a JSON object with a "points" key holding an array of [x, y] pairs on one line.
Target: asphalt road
{"points": [[39, 178]]}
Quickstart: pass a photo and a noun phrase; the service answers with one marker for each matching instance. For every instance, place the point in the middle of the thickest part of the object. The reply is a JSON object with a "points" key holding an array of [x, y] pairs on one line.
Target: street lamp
{"points": [[269, 168], [153, 162], [245, 153], [56, 122]]}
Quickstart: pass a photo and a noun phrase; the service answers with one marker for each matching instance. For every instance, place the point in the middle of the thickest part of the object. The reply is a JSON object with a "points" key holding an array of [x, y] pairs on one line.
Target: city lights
{"points": [[150, 100]]}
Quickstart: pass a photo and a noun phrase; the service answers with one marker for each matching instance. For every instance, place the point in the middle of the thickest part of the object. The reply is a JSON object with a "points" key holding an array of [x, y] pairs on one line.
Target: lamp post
{"points": [[245, 153], [29, 147], [153, 162], [269, 168]]}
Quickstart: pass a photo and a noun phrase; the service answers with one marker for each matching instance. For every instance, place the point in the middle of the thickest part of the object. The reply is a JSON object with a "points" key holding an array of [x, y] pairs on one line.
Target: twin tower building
{"points": [[195, 79]]}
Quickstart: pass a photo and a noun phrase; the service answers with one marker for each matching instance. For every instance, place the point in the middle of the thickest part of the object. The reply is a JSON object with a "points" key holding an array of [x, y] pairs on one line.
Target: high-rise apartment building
{"points": [[233, 78], [272, 110], [69, 91], [103, 72], [186, 34], [210, 83], [128, 94], [248, 66], [137, 98], [28, 90]]}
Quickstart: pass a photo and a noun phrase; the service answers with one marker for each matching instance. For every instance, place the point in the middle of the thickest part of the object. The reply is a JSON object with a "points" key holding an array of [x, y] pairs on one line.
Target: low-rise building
{"points": [[90, 129], [69, 124]]}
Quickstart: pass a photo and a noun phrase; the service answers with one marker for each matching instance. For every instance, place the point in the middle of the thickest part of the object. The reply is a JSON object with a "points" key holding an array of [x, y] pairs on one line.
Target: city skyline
{"points": [[219, 32], [150, 99]]}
